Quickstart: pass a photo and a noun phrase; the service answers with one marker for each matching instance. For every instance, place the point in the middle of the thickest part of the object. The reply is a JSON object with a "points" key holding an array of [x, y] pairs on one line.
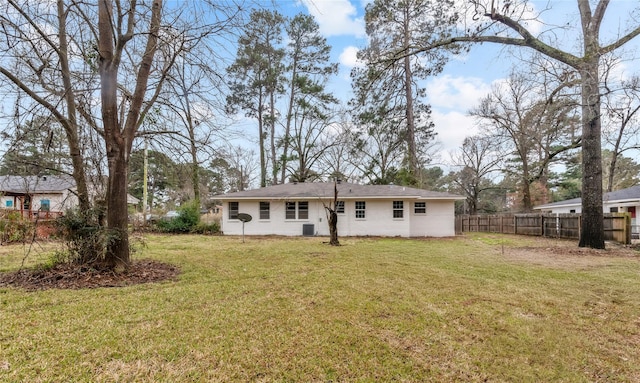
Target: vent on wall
{"points": [[308, 229]]}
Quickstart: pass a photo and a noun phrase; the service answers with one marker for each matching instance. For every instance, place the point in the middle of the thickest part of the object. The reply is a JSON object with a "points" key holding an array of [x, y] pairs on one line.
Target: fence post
{"points": [[627, 228], [579, 226]]}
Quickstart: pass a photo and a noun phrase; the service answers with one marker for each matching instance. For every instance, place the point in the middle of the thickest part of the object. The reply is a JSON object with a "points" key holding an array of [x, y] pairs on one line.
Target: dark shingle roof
{"points": [[345, 191], [34, 184]]}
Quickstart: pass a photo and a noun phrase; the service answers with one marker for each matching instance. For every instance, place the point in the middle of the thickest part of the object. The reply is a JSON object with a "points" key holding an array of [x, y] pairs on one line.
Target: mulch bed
{"points": [[67, 276]]}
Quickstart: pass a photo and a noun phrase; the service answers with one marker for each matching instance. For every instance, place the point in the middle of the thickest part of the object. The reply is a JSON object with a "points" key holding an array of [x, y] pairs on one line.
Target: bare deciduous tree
{"points": [[506, 25], [41, 66], [478, 158], [621, 130], [536, 117]]}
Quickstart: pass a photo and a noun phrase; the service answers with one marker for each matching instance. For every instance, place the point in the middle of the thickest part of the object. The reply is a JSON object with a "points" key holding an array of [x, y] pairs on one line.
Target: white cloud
{"points": [[452, 128], [451, 98], [349, 58], [456, 93], [336, 17]]}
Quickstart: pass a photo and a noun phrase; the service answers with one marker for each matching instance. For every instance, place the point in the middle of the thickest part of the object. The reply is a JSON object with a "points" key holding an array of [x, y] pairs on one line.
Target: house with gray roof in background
{"points": [[41, 196], [33, 196], [295, 209], [619, 201]]}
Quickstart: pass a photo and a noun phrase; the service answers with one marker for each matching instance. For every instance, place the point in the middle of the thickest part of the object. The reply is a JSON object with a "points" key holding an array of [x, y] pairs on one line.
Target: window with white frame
{"points": [[265, 210], [303, 210], [297, 210], [420, 208], [234, 209], [398, 209], [290, 210], [340, 207], [361, 208]]}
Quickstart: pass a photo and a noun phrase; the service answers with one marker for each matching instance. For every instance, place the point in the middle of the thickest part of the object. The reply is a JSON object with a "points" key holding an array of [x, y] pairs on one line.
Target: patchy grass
{"points": [[476, 308]]}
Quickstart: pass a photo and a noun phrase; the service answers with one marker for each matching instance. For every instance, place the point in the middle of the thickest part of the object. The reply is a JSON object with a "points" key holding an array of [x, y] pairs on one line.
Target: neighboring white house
{"points": [[39, 196], [32, 194], [619, 201], [379, 210]]}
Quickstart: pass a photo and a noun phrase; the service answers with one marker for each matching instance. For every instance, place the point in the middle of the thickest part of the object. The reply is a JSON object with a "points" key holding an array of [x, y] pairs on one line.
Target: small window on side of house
{"points": [[265, 210], [340, 207], [398, 209], [290, 210], [420, 208], [9, 204], [303, 210], [572, 211], [613, 209], [45, 205], [234, 209], [361, 209]]}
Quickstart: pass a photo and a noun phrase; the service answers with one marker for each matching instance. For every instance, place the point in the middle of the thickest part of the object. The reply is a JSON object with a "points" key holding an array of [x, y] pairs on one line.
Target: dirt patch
{"points": [[565, 253], [66, 276]]}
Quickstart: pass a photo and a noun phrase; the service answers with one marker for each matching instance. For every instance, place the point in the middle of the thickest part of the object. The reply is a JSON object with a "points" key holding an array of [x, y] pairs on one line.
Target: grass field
{"points": [[471, 309]]}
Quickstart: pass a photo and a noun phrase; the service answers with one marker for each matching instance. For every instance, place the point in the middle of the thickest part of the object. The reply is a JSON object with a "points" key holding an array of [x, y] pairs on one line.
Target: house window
{"points": [[361, 209], [572, 211], [340, 207], [613, 209], [398, 209], [302, 210], [45, 205], [290, 210], [234, 209], [265, 210], [9, 204], [420, 207]]}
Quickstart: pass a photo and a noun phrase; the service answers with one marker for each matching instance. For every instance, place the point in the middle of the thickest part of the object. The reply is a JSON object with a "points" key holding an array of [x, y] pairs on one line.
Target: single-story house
{"points": [[44, 196], [619, 201], [34, 195], [294, 209]]}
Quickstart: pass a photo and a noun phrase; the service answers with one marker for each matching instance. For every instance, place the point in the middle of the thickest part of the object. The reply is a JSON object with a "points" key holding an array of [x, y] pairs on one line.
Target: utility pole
{"points": [[145, 171]]}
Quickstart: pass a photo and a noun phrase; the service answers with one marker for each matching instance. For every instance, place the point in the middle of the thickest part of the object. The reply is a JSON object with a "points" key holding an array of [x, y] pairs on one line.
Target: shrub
{"points": [[84, 238], [206, 228], [14, 228], [188, 217]]}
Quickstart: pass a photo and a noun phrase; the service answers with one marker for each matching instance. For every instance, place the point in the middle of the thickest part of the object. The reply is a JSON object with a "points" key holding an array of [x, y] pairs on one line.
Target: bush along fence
{"points": [[14, 227], [617, 226]]}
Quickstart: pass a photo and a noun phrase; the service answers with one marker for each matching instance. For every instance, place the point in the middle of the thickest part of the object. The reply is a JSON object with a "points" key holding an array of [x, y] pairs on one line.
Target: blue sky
{"points": [[466, 79]]}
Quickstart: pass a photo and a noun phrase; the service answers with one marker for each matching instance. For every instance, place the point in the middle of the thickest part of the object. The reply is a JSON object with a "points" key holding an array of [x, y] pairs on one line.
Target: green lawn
{"points": [[471, 309]]}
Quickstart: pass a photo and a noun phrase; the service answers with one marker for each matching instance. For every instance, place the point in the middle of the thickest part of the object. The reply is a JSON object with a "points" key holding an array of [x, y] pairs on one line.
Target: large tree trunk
{"points": [[118, 134], [117, 252], [592, 234], [115, 256]]}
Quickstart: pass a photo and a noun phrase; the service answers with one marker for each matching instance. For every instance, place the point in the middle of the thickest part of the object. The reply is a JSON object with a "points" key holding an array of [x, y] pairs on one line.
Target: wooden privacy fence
{"points": [[617, 226]]}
